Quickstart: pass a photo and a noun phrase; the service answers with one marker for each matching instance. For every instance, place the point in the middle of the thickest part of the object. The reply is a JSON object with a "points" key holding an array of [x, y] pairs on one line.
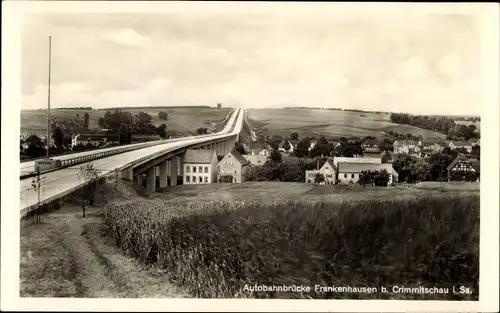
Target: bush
{"points": [[410, 242]]}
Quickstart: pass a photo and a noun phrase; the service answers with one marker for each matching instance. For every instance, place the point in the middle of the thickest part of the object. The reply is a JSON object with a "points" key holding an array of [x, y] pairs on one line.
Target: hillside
{"points": [[181, 120], [332, 124]]}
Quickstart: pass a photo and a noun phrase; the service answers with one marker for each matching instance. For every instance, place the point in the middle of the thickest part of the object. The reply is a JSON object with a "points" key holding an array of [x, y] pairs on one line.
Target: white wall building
{"points": [[348, 173], [199, 167]]}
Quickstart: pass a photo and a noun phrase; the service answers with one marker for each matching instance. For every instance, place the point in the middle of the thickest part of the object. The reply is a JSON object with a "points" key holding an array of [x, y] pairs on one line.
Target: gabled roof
{"points": [[255, 159], [460, 157], [329, 162], [404, 142], [461, 143], [359, 167], [476, 164], [238, 157], [200, 156]]}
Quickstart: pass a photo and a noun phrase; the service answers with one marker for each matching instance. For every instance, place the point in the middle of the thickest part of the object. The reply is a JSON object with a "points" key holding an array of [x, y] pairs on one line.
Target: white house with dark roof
{"points": [[199, 166], [328, 170], [406, 146], [348, 173]]}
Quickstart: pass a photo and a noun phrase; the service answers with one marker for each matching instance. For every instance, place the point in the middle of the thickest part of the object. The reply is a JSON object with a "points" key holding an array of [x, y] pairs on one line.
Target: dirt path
{"points": [[68, 256]]}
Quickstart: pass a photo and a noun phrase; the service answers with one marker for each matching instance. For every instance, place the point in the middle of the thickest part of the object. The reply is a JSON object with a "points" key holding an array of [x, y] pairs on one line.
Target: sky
{"points": [[423, 64]]}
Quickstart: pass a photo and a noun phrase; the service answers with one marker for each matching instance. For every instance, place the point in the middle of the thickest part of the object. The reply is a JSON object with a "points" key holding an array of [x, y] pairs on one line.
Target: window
{"points": [[187, 179], [200, 178], [352, 175], [206, 179], [345, 175], [188, 169], [234, 179], [194, 179], [200, 169], [206, 169], [194, 169]]}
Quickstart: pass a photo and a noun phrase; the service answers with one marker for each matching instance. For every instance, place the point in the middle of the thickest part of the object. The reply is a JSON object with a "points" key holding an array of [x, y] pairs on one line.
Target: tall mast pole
{"points": [[48, 101]]}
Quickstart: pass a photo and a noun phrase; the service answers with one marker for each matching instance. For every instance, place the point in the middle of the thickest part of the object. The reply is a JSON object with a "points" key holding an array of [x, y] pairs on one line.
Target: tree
{"points": [[37, 184], [302, 148], [86, 118], [89, 175], [239, 148], [143, 119], [163, 115], [476, 152], [319, 178], [58, 137], [275, 156], [201, 131], [374, 178], [162, 130], [294, 136], [36, 147], [101, 122]]}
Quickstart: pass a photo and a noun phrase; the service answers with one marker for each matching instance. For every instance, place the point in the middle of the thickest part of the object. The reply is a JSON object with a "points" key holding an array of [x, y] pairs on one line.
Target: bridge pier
{"points": [[173, 171], [163, 174], [150, 180]]}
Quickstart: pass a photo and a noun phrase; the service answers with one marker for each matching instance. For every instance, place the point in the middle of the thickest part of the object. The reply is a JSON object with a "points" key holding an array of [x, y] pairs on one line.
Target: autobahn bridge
{"points": [[135, 163]]}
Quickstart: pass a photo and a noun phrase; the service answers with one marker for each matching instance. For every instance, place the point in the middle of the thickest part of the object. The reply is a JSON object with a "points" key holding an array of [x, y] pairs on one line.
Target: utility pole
{"points": [[48, 100]]}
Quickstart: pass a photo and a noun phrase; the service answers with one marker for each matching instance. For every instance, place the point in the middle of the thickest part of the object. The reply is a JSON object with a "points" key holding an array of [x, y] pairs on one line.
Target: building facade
{"points": [[199, 166], [233, 165], [462, 168], [349, 173], [328, 170]]}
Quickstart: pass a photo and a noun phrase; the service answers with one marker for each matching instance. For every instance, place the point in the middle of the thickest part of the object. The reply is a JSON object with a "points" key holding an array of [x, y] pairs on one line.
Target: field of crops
{"points": [[180, 119], [213, 248], [332, 124]]}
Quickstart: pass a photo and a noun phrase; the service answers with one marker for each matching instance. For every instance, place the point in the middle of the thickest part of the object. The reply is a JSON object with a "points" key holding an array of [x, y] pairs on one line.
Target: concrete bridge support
{"points": [[150, 180], [163, 174], [173, 171]]}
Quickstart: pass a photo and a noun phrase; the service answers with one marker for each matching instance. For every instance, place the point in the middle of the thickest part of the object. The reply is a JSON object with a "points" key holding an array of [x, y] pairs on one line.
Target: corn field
{"points": [[214, 248]]}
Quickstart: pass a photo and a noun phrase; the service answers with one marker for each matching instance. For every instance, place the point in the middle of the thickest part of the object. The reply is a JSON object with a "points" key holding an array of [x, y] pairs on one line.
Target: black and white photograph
{"points": [[252, 151]]}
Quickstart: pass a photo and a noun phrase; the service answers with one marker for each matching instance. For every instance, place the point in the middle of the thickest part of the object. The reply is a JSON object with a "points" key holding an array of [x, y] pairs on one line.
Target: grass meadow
{"points": [[331, 124], [181, 120], [214, 247]]}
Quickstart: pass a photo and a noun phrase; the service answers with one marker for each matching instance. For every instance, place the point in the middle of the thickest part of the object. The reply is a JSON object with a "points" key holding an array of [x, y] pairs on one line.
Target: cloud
{"points": [[254, 60], [126, 37]]}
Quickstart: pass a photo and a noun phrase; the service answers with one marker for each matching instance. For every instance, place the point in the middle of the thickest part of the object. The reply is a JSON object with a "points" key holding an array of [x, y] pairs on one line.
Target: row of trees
{"points": [[444, 125]]}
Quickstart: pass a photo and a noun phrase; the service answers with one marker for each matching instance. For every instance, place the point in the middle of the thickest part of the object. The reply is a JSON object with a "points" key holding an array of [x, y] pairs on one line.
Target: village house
{"points": [[349, 173], [461, 144], [199, 166], [233, 165], [328, 171], [461, 167], [370, 146], [406, 146], [259, 148]]}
